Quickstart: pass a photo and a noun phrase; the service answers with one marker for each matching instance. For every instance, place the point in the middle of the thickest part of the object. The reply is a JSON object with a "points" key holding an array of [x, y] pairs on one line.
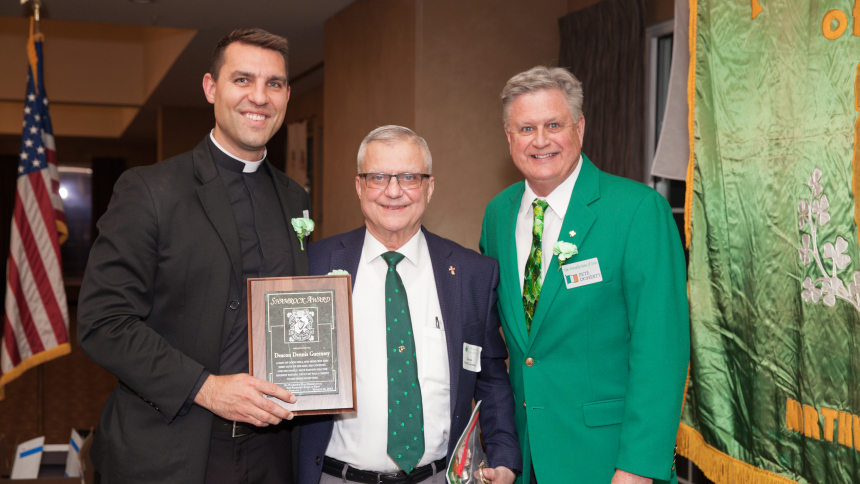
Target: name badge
{"points": [[471, 357], [582, 273]]}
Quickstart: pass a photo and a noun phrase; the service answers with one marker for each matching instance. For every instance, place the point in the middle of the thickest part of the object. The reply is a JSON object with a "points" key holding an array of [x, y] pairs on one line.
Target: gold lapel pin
{"points": [[573, 233], [451, 268]]}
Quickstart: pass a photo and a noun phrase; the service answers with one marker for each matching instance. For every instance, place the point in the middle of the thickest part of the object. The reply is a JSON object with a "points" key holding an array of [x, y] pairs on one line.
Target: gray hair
{"points": [[540, 78], [391, 134]]}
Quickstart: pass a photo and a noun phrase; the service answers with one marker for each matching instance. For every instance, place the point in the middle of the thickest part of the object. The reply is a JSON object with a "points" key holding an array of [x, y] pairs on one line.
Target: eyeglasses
{"points": [[407, 181]]}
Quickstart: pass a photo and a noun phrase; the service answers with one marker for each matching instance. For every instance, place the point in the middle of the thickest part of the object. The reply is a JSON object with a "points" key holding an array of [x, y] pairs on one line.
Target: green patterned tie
{"points": [[531, 281], [405, 416]]}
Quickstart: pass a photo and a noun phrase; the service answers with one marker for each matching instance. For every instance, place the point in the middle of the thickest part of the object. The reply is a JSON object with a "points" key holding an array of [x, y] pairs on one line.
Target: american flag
{"points": [[36, 323]]}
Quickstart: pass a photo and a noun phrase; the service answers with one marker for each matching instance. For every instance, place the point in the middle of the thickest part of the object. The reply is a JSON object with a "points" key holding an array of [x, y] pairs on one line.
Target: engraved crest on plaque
{"points": [[301, 325], [301, 342]]}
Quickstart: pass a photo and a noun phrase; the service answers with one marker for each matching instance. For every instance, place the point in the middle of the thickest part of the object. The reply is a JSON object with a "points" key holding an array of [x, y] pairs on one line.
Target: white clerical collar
{"points": [[250, 166], [411, 250], [559, 198]]}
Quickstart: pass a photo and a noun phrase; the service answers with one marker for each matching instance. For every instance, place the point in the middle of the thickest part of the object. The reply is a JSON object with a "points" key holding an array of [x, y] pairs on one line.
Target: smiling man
{"points": [[163, 304], [597, 330], [419, 303]]}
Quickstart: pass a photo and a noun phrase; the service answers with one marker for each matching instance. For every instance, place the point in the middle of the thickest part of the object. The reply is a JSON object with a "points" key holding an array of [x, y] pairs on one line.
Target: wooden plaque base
{"points": [[344, 401]]}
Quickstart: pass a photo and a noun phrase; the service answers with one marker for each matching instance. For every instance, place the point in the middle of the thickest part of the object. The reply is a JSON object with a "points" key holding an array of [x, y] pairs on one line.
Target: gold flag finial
{"points": [[35, 35], [37, 4]]}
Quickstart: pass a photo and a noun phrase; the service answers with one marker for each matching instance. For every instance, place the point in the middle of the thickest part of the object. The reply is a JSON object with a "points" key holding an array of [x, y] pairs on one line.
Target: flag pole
{"points": [[40, 370], [37, 5]]}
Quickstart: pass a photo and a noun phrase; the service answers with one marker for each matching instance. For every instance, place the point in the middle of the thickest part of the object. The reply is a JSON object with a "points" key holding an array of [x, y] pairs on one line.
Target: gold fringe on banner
{"points": [[855, 165], [719, 467], [691, 105], [32, 362]]}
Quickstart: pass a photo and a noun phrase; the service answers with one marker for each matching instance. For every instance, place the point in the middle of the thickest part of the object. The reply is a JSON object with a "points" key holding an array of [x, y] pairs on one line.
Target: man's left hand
{"points": [[500, 475], [622, 477]]}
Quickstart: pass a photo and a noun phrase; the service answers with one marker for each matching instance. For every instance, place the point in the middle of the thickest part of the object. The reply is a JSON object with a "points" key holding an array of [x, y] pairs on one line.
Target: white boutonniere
{"points": [[564, 250], [303, 226], [338, 272]]}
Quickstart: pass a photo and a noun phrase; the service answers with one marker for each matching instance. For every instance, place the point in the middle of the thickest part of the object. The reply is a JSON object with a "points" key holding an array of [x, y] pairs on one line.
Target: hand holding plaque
{"points": [[300, 338]]}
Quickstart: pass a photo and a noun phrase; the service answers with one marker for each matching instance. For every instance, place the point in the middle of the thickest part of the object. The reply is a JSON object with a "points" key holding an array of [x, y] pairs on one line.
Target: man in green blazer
{"points": [[598, 332]]}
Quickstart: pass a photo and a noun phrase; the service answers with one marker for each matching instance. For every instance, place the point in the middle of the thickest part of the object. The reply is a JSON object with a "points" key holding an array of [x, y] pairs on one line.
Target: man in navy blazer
{"points": [[451, 295]]}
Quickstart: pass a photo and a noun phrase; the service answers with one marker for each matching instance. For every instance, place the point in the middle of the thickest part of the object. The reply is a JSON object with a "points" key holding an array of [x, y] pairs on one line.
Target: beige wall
{"points": [[309, 106], [465, 60], [369, 82], [437, 67], [127, 62]]}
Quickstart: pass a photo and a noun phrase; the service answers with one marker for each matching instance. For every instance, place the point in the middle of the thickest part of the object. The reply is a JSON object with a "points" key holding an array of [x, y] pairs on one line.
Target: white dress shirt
{"points": [[361, 439], [553, 218], [250, 166]]}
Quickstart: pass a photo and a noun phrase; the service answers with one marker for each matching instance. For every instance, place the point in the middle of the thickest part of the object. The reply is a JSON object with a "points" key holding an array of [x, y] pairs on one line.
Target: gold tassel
{"points": [[719, 467]]}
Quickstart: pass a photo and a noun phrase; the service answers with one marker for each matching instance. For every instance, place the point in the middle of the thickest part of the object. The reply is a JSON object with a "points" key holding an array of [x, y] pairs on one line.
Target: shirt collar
{"points": [[558, 199], [411, 250], [250, 166]]}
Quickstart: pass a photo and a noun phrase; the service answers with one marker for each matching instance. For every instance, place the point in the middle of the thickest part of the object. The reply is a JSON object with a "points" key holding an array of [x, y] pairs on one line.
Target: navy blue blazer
{"points": [[468, 301]]}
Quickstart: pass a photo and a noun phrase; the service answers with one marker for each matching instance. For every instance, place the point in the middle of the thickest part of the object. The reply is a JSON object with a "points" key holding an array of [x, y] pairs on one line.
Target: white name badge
{"points": [[471, 357], [582, 273]]}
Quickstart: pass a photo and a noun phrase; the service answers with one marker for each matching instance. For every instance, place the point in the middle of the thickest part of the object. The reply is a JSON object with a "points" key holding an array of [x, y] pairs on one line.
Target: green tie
{"points": [[405, 417], [531, 281]]}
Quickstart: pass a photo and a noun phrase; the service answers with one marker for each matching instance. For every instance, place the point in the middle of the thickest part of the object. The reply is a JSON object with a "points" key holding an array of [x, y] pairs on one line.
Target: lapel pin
{"points": [[401, 349], [573, 233], [451, 268]]}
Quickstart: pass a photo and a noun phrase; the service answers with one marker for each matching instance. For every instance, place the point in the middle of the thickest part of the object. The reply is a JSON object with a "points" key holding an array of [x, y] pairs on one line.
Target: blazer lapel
{"points": [[510, 270], [579, 218], [348, 257], [291, 204], [448, 291], [216, 203]]}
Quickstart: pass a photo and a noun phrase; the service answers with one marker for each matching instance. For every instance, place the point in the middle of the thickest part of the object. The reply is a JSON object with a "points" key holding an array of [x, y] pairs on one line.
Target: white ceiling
{"points": [[301, 21]]}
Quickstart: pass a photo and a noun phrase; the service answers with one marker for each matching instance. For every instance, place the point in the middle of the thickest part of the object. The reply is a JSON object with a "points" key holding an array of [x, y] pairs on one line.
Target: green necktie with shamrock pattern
{"points": [[531, 280], [405, 416]]}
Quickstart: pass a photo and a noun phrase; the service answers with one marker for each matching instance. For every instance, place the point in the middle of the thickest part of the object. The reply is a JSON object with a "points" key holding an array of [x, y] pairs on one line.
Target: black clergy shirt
{"points": [[265, 243]]}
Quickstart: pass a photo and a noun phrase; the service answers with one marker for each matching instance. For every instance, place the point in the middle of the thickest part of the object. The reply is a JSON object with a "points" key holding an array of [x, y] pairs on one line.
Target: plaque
{"points": [[300, 338]]}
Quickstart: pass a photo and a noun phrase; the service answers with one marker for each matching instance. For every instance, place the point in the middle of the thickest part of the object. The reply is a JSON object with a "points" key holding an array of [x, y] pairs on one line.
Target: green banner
{"points": [[774, 387]]}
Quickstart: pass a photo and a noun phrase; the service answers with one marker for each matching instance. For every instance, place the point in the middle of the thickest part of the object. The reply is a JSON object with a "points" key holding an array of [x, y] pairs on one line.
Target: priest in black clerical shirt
{"points": [[163, 305]]}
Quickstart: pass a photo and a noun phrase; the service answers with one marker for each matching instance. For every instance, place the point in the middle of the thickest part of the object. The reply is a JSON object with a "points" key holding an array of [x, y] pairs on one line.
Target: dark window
{"points": [[77, 194]]}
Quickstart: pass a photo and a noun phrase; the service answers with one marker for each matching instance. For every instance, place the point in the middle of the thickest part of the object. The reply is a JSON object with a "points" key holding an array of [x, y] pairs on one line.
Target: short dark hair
{"points": [[256, 37]]}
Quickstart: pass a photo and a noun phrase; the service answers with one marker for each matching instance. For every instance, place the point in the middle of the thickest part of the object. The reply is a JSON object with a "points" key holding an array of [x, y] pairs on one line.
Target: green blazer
{"points": [[599, 380]]}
